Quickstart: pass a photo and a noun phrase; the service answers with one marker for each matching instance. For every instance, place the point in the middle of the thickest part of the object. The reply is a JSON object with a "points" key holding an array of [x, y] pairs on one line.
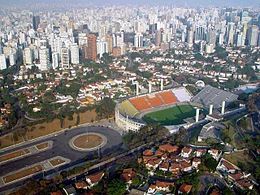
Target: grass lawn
{"points": [[57, 161], [22, 173], [171, 116], [240, 157], [47, 128], [14, 154], [42, 146], [231, 132]]}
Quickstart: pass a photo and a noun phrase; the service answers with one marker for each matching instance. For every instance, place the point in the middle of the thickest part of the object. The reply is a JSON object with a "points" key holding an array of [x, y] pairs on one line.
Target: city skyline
{"points": [[185, 3]]}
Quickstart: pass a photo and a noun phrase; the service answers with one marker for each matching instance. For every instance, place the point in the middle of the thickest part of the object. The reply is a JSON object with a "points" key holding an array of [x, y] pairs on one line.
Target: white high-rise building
{"points": [[138, 40], [253, 35], [65, 58], [27, 56], [240, 40], [44, 58], [2, 62], [190, 38], [55, 60], [74, 52], [102, 47], [12, 58]]}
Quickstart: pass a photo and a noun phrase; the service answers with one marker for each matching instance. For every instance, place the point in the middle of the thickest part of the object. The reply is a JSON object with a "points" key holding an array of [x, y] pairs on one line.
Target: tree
{"points": [[210, 162], [116, 187], [181, 136], [105, 108]]}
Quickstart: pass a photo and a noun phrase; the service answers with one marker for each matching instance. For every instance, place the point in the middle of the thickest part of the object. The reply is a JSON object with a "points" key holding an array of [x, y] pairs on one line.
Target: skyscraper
{"points": [[65, 58], [200, 33], [55, 60], [190, 38], [91, 50], [138, 40], [36, 22], [74, 53], [2, 62], [44, 58], [27, 56], [158, 37], [102, 47], [253, 35]]}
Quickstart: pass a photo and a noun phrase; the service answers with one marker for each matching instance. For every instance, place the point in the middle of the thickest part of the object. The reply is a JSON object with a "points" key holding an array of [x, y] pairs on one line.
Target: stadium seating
{"points": [[154, 100], [127, 107], [167, 97], [141, 103]]}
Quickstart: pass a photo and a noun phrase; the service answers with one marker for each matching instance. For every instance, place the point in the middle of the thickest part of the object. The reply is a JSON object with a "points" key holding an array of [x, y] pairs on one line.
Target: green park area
{"points": [[171, 116]]}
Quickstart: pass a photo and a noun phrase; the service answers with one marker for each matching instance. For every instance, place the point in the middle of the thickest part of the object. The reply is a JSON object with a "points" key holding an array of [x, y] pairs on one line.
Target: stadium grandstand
{"points": [[213, 96], [129, 113]]}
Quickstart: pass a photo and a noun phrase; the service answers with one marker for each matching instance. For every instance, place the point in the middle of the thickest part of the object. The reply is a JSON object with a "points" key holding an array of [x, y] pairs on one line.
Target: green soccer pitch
{"points": [[170, 116]]}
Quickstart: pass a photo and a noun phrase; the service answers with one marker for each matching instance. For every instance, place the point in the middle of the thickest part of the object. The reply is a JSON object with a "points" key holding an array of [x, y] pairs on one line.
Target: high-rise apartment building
{"points": [[44, 56], [2, 62], [36, 22], [74, 53], [27, 56], [55, 60], [91, 50], [138, 40], [65, 57], [253, 35]]}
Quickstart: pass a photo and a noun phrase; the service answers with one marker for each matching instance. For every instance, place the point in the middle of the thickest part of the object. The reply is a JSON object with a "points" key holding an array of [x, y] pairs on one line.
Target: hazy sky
{"points": [[196, 3]]}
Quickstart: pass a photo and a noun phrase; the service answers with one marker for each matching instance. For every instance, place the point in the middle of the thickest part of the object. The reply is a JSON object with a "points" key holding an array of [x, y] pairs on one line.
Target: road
{"points": [[61, 147]]}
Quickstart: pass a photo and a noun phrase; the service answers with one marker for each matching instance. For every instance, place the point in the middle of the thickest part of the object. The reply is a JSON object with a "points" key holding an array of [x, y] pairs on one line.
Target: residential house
{"points": [[153, 164], [186, 152], [214, 153], [200, 152], [94, 179], [128, 175], [168, 148], [163, 186], [226, 166], [196, 162], [69, 190], [186, 167], [185, 189], [164, 166]]}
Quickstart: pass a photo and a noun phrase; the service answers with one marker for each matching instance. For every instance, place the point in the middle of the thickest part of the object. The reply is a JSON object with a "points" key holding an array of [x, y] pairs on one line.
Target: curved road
{"points": [[61, 148]]}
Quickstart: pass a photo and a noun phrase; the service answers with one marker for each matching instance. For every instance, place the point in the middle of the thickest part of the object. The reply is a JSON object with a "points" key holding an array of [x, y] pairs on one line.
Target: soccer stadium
{"points": [[169, 107]]}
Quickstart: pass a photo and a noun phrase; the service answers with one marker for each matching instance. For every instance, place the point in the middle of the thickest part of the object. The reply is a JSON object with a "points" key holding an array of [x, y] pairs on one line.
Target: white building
{"points": [[27, 56], [253, 36], [74, 52], [2, 62], [44, 58], [102, 47], [65, 58], [55, 60], [138, 40]]}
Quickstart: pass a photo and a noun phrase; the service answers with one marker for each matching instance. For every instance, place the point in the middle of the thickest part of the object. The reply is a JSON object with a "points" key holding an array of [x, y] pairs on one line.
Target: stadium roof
{"points": [[211, 95]]}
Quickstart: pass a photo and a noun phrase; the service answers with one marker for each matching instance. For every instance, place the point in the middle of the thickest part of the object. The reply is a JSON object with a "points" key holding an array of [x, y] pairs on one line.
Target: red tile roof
{"points": [[186, 149], [228, 165], [244, 183], [148, 153], [95, 178], [185, 188], [128, 174], [168, 148], [236, 176], [81, 184], [164, 184]]}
